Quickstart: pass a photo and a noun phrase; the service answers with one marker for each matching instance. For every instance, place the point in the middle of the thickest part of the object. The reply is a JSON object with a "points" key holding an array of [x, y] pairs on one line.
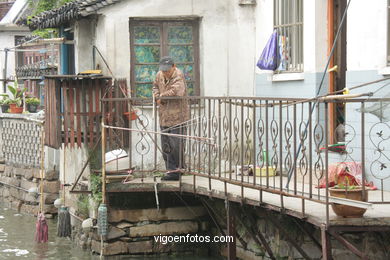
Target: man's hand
{"points": [[158, 101]]}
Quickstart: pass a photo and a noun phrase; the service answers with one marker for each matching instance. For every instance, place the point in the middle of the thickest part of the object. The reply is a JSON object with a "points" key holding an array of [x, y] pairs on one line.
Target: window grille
{"points": [[288, 21]]}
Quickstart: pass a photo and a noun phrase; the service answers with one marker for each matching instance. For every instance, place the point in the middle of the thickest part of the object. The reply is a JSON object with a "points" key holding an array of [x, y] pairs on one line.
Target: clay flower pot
{"points": [[352, 194], [15, 109], [131, 115]]}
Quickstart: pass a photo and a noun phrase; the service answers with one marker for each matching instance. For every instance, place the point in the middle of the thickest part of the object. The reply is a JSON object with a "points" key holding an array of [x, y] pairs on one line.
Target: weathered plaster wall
{"points": [[367, 38], [75, 159], [7, 40], [227, 40], [296, 85]]}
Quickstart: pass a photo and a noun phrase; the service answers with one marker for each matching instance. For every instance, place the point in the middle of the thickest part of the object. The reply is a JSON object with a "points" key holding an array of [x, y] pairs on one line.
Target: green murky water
{"points": [[17, 241]]}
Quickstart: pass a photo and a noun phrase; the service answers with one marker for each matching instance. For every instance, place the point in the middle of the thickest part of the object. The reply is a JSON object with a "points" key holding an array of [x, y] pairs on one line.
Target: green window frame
{"points": [[152, 39]]}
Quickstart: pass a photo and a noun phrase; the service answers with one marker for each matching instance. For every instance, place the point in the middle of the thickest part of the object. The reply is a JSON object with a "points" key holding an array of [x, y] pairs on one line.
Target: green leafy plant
{"points": [[96, 188], [16, 94], [4, 101], [343, 181], [33, 101], [83, 205]]}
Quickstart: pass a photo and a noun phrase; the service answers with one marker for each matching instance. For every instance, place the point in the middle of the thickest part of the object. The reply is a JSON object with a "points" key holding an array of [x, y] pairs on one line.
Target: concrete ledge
{"points": [[288, 76], [137, 215], [168, 228]]}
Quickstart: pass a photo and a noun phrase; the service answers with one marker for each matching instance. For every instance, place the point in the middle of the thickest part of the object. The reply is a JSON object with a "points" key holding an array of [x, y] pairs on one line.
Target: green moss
{"points": [[96, 188], [83, 206], [95, 161]]}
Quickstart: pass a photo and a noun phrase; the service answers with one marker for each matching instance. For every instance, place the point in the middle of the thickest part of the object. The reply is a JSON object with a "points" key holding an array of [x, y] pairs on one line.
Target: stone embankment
{"points": [[20, 187], [132, 231]]}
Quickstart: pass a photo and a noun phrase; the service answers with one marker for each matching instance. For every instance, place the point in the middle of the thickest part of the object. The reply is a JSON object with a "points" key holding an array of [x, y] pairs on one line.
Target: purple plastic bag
{"points": [[269, 59]]}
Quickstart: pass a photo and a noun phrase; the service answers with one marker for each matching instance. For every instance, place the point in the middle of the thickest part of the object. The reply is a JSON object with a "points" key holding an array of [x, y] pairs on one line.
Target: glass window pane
{"points": [[145, 73], [147, 54], [146, 34], [181, 53], [187, 71], [180, 34], [190, 88], [143, 90]]}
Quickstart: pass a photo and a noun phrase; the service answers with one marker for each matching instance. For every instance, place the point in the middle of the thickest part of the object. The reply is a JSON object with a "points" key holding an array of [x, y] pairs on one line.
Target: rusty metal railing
{"points": [[278, 146]]}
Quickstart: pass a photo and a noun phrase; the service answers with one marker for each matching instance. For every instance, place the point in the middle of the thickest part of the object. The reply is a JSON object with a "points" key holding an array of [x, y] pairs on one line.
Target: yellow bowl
{"points": [[262, 172]]}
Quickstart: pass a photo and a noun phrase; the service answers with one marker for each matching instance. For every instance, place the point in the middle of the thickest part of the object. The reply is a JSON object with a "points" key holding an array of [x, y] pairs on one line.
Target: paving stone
{"points": [[138, 215], [50, 209], [49, 198], [28, 197], [36, 173], [168, 228], [28, 174], [114, 248], [18, 171], [8, 170], [114, 232], [14, 193], [25, 184], [140, 247], [51, 175], [124, 225], [51, 186], [2, 167]]}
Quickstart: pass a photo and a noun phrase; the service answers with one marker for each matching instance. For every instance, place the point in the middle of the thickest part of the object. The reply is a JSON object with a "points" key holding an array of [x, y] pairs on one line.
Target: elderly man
{"points": [[174, 113]]}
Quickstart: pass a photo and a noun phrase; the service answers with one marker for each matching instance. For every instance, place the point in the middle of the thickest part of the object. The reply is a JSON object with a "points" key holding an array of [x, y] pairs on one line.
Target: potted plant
{"points": [[4, 104], [132, 115], [15, 102], [32, 104], [347, 188]]}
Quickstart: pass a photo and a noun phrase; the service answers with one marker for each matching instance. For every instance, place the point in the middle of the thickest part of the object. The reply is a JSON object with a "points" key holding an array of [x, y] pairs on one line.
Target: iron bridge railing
{"points": [[281, 146]]}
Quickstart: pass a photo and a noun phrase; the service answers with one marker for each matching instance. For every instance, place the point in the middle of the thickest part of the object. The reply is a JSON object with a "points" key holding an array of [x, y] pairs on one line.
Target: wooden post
{"points": [[231, 231]]}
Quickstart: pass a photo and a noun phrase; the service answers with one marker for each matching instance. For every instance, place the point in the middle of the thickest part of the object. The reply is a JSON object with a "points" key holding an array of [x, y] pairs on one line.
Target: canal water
{"points": [[17, 241]]}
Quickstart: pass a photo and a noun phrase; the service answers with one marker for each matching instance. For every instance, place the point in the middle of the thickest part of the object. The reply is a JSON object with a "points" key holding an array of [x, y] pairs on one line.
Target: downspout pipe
{"points": [[5, 70], [331, 63], [64, 54]]}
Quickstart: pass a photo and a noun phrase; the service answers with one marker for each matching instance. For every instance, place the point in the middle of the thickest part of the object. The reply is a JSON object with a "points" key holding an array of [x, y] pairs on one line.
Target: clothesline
{"points": [[198, 138]]}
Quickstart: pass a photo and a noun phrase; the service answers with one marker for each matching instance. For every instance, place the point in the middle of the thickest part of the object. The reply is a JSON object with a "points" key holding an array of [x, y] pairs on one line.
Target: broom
{"points": [[64, 228], [41, 228]]}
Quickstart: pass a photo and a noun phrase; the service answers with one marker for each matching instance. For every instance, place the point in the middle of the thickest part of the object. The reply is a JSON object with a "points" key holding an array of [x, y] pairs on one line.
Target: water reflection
{"points": [[17, 242]]}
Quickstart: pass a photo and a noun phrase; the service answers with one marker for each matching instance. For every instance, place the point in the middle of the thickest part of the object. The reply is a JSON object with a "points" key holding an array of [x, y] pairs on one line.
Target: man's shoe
{"points": [[170, 177]]}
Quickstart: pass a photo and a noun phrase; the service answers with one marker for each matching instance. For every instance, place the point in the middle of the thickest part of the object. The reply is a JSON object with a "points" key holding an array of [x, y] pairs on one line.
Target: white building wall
{"points": [[227, 40], [7, 40], [315, 44], [367, 35]]}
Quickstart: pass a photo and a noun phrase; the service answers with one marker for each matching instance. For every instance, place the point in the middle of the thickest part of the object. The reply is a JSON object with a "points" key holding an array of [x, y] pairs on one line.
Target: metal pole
{"points": [[103, 163], [5, 70]]}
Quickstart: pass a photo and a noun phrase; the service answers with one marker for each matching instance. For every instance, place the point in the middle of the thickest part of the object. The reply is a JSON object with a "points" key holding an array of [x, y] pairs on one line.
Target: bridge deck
{"points": [[314, 212]]}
